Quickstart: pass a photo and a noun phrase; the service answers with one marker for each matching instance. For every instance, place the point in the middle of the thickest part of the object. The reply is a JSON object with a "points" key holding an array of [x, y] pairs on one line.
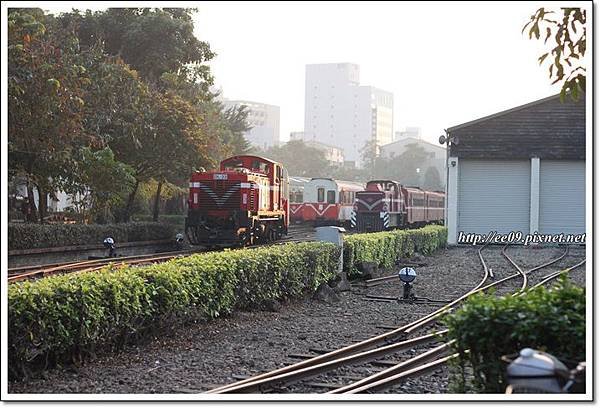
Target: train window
{"points": [[296, 197], [320, 194], [261, 166], [331, 196]]}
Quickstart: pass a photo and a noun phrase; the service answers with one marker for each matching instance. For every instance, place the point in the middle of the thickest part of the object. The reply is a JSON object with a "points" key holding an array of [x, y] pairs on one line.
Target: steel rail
{"points": [[353, 348], [253, 383], [517, 267], [386, 382], [74, 266], [398, 368], [291, 377], [390, 376], [495, 283], [555, 275]]}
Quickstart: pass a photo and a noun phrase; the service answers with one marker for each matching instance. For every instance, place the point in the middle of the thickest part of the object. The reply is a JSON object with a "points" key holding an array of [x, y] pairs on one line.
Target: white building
{"points": [[340, 112], [264, 120]]}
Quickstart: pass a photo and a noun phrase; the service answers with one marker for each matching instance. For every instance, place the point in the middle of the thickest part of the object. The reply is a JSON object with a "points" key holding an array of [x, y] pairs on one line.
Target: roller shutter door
{"points": [[562, 197], [493, 196]]}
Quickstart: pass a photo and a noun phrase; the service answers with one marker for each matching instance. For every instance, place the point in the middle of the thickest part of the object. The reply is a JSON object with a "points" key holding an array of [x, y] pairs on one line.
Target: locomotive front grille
{"points": [[369, 222], [219, 195]]}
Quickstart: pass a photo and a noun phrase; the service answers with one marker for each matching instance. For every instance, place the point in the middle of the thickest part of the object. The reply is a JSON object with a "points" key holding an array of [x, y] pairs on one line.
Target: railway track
{"points": [[409, 336], [40, 271], [296, 234]]}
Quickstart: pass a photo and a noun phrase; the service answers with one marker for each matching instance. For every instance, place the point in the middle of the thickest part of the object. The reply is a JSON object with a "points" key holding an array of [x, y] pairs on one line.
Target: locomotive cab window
{"points": [[331, 196], [320, 194], [260, 166]]}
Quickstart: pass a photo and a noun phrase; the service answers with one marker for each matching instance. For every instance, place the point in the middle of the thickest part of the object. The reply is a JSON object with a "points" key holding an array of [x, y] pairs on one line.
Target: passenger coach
{"points": [[328, 201]]}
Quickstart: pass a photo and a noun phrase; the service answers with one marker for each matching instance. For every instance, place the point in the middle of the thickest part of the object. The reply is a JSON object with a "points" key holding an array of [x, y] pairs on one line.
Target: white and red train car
{"points": [[297, 185], [386, 204], [246, 201], [328, 201]]}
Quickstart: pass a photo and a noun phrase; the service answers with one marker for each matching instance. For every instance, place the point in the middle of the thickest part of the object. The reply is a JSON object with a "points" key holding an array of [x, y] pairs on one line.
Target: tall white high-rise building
{"points": [[340, 112], [264, 120]]}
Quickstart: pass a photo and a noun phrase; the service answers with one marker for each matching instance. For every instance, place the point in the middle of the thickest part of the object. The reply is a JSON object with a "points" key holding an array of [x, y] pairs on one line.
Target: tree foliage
{"points": [[567, 33], [122, 92], [151, 41], [408, 167], [102, 183], [46, 91], [300, 159]]}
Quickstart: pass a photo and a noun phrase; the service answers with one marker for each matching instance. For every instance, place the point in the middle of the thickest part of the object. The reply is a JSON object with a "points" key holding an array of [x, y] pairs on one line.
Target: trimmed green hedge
{"points": [[549, 320], [178, 221], [30, 235], [68, 317], [385, 248]]}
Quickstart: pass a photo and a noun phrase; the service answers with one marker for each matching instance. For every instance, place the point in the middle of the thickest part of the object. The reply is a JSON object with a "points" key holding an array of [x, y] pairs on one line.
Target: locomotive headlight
{"points": [[355, 207], [385, 207], [407, 275]]}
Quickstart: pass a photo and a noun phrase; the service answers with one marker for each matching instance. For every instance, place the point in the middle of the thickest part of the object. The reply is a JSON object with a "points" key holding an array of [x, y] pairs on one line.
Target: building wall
{"points": [[264, 120], [340, 112], [546, 140], [333, 154]]}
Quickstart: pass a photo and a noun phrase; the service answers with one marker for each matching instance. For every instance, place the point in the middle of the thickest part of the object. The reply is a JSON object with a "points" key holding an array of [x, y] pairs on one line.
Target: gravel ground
{"points": [[200, 357]]}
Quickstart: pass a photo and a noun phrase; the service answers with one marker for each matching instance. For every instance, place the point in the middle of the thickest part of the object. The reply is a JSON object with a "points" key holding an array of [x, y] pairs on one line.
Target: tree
{"points": [[235, 124], [151, 41], [407, 168], [568, 35], [170, 149], [117, 102], [368, 155], [300, 160], [162, 131], [101, 183], [432, 179], [227, 124], [349, 173], [46, 87]]}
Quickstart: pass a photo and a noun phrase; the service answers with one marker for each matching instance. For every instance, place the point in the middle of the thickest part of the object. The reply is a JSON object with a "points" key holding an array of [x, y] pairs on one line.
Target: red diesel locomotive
{"points": [[245, 202], [385, 204]]}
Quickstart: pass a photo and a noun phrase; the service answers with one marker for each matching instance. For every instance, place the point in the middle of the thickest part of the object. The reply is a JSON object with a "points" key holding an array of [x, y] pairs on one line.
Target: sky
{"points": [[445, 63]]}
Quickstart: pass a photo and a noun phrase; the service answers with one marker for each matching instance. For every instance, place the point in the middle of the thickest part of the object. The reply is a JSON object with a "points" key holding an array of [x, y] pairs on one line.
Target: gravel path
{"points": [[200, 357]]}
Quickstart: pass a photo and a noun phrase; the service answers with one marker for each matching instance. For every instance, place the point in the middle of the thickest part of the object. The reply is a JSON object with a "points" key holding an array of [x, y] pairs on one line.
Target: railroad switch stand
{"points": [[407, 297]]}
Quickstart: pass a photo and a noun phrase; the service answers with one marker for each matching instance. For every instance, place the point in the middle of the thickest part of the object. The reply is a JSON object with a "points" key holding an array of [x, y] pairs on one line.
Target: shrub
{"points": [[67, 317], [385, 248], [176, 220], [549, 320], [29, 235]]}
